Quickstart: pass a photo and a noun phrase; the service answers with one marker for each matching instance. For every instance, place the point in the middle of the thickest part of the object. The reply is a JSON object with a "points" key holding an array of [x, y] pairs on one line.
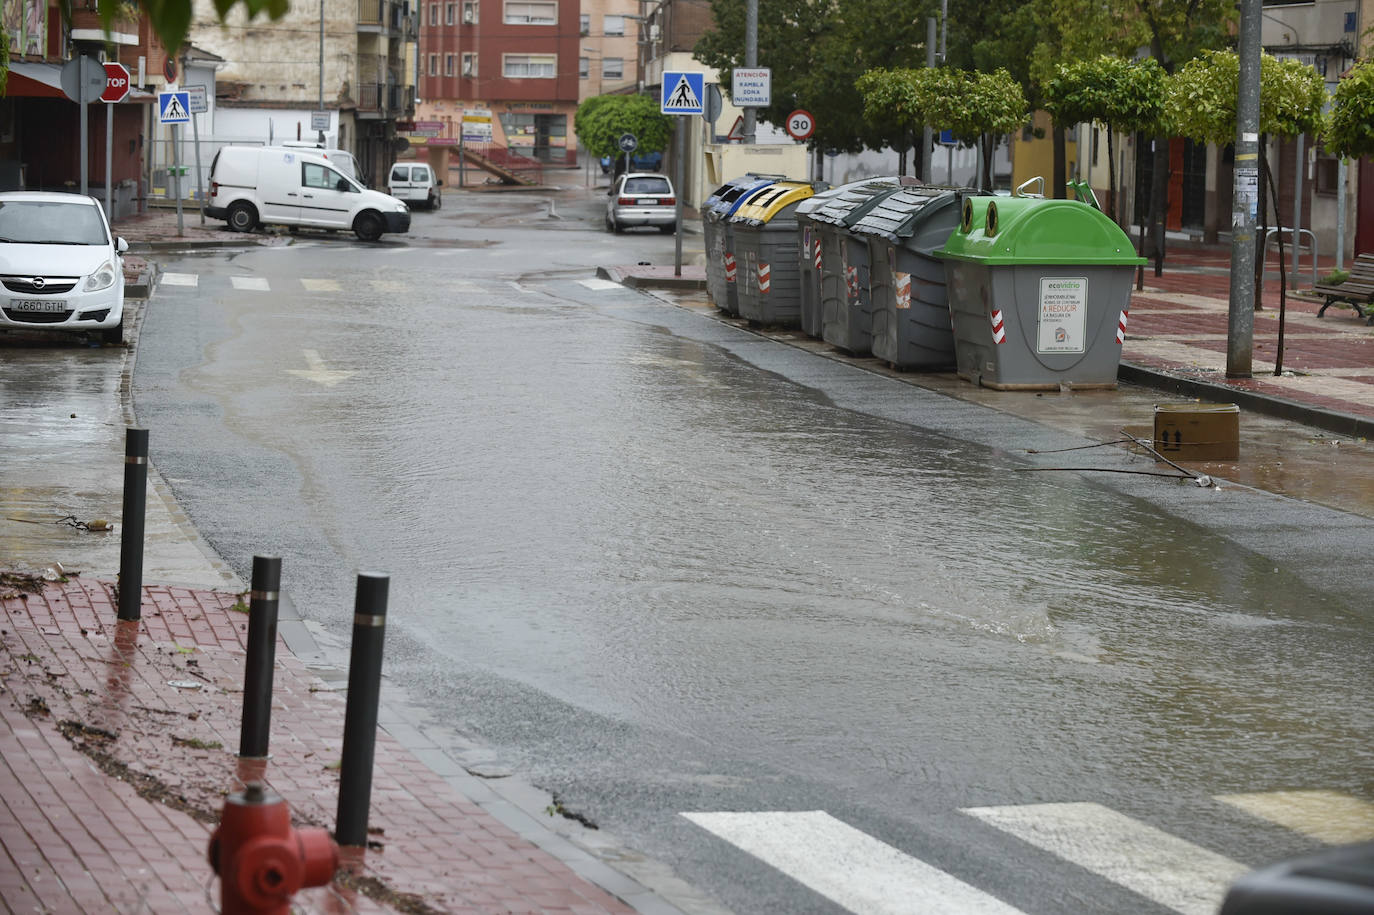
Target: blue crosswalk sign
{"points": [[683, 91], [174, 107]]}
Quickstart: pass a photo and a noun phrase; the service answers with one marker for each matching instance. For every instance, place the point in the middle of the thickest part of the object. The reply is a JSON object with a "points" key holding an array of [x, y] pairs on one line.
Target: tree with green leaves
{"points": [[1202, 104], [977, 108], [601, 120], [1350, 127], [1123, 94]]}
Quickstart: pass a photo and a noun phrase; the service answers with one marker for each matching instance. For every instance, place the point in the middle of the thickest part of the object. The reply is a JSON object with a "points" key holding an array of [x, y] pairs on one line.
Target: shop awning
{"points": [[33, 80]]}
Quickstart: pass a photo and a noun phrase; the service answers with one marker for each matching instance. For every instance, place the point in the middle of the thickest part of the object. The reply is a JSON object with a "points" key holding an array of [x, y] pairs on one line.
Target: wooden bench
{"points": [[1357, 291]]}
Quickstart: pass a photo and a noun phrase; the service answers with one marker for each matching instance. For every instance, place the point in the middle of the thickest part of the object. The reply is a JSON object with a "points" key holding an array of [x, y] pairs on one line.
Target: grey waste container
{"points": [[911, 327], [1038, 290], [846, 321], [809, 262], [719, 236], [766, 242]]}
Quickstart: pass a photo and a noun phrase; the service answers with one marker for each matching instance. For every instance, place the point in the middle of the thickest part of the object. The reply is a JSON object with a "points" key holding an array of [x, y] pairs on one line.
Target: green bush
{"points": [[1335, 277]]}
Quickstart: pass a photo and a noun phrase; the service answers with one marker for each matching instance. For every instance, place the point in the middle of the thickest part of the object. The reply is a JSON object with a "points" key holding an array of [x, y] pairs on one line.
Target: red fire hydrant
{"points": [[261, 860]]}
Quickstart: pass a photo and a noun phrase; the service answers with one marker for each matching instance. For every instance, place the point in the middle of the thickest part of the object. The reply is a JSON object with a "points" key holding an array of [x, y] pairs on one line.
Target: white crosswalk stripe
{"points": [[848, 867], [320, 285], [250, 283], [1171, 871], [1326, 816], [179, 279]]}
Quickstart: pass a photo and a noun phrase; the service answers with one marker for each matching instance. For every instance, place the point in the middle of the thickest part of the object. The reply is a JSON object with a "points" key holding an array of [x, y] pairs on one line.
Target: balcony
{"points": [[387, 17], [86, 26], [385, 101]]}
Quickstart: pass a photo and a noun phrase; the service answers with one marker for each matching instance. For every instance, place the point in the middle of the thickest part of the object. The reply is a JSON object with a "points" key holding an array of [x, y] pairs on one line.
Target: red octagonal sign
{"points": [[116, 82]]}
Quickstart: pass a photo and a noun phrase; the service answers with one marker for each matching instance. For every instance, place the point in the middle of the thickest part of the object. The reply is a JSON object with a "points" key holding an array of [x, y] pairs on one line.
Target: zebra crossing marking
{"points": [[323, 285], [250, 283], [598, 283], [180, 279], [1327, 816], [848, 867], [1166, 869]]}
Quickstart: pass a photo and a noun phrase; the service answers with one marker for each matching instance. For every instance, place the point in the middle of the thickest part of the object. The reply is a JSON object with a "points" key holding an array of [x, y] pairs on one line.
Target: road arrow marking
{"points": [[317, 372]]}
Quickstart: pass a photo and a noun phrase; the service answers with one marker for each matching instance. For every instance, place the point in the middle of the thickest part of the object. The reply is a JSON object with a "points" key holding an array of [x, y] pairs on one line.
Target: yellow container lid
{"points": [[772, 200]]}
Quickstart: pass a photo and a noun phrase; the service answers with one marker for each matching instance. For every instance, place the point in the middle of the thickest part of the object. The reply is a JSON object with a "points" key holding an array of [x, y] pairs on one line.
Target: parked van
{"points": [[339, 158], [414, 182], [267, 185]]}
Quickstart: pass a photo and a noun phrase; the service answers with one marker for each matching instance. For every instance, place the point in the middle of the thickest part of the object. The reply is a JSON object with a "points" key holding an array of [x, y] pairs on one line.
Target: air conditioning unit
{"points": [[469, 16], [655, 33]]}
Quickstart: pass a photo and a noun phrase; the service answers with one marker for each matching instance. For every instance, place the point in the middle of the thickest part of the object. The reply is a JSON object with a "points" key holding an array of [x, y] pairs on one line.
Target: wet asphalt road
{"points": [[658, 564]]}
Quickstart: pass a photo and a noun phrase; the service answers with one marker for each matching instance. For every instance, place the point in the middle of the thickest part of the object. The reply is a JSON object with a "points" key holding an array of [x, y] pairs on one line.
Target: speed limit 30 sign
{"points": [[800, 124]]}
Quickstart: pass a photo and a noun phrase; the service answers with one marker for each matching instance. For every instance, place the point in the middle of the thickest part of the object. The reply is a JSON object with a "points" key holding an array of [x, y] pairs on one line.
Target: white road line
{"points": [[391, 287], [848, 867], [1326, 816], [1175, 873], [180, 279], [321, 285], [250, 283], [599, 283]]}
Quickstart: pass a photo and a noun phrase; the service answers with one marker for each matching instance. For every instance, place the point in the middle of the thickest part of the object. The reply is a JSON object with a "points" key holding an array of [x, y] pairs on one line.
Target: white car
{"points": [[61, 267], [415, 183], [642, 199]]}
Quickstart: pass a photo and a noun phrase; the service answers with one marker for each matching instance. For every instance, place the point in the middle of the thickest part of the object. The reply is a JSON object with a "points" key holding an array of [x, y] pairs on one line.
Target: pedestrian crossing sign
{"points": [[174, 107], [683, 92]]}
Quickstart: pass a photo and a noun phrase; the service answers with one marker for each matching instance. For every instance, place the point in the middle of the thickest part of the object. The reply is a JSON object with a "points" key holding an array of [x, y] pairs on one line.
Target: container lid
{"points": [[1033, 230], [857, 198], [728, 196], [769, 202], [896, 216]]}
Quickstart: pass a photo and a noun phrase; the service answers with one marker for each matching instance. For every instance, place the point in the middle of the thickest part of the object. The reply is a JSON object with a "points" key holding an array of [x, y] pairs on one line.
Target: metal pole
{"points": [[677, 209], [360, 712], [1340, 214], [131, 521], [1240, 323], [321, 107], [85, 154], [262, 650], [751, 60], [1297, 214], [109, 159], [176, 176], [200, 181], [927, 154]]}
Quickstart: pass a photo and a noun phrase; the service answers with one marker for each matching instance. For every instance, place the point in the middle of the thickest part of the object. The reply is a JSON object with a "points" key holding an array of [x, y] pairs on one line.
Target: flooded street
{"points": [[657, 564]]}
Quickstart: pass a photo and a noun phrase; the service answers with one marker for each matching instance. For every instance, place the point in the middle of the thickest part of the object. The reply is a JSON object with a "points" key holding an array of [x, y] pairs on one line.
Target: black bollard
{"points": [[360, 714], [130, 598], [262, 651]]}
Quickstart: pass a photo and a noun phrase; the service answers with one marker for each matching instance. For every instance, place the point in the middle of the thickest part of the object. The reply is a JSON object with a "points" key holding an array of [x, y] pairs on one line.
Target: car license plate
{"points": [[651, 202], [39, 305]]}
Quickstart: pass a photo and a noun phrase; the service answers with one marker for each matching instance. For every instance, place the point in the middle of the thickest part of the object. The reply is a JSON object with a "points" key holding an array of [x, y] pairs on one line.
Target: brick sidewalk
{"points": [[117, 746]]}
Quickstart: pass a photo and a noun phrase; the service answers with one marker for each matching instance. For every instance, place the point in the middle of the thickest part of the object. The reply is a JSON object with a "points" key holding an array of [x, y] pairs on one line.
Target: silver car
{"points": [[642, 199], [61, 268]]}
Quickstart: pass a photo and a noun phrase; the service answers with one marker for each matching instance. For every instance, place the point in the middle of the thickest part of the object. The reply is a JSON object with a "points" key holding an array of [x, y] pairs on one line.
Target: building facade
{"points": [[513, 64]]}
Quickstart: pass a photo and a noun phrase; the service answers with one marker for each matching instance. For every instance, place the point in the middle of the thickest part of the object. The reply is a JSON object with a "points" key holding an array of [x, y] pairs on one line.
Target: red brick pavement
{"points": [[157, 703]]}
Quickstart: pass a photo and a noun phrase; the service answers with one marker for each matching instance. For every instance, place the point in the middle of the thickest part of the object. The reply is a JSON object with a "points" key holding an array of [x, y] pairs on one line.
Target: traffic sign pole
{"points": [[677, 209], [109, 160]]}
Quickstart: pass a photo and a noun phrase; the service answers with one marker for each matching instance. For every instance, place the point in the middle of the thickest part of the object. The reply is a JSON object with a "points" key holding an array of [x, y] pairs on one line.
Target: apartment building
{"points": [[514, 61]]}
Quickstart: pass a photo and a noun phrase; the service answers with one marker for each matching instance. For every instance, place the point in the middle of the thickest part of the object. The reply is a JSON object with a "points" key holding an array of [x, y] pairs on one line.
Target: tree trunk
{"points": [[1267, 177], [1061, 162], [1159, 200], [901, 154], [1111, 171]]}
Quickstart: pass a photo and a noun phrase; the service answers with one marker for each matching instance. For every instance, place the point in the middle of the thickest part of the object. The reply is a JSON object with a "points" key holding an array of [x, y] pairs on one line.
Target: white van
{"points": [[253, 185], [339, 158], [414, 182]]}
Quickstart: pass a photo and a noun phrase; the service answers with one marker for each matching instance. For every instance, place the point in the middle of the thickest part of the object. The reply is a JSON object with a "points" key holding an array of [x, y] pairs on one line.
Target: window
{"points": [[613, 25], [613, 68], [434, 14], [434, 65], [448, 64], [532, 66], [469, 12], [531, 12], [319, 176], [584, 23], [469, 63], [584, 67], [450, 14]]}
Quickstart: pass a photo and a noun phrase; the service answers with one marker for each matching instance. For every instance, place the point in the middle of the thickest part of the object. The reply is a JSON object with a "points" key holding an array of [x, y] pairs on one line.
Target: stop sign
{"points": [[116, 82]]}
